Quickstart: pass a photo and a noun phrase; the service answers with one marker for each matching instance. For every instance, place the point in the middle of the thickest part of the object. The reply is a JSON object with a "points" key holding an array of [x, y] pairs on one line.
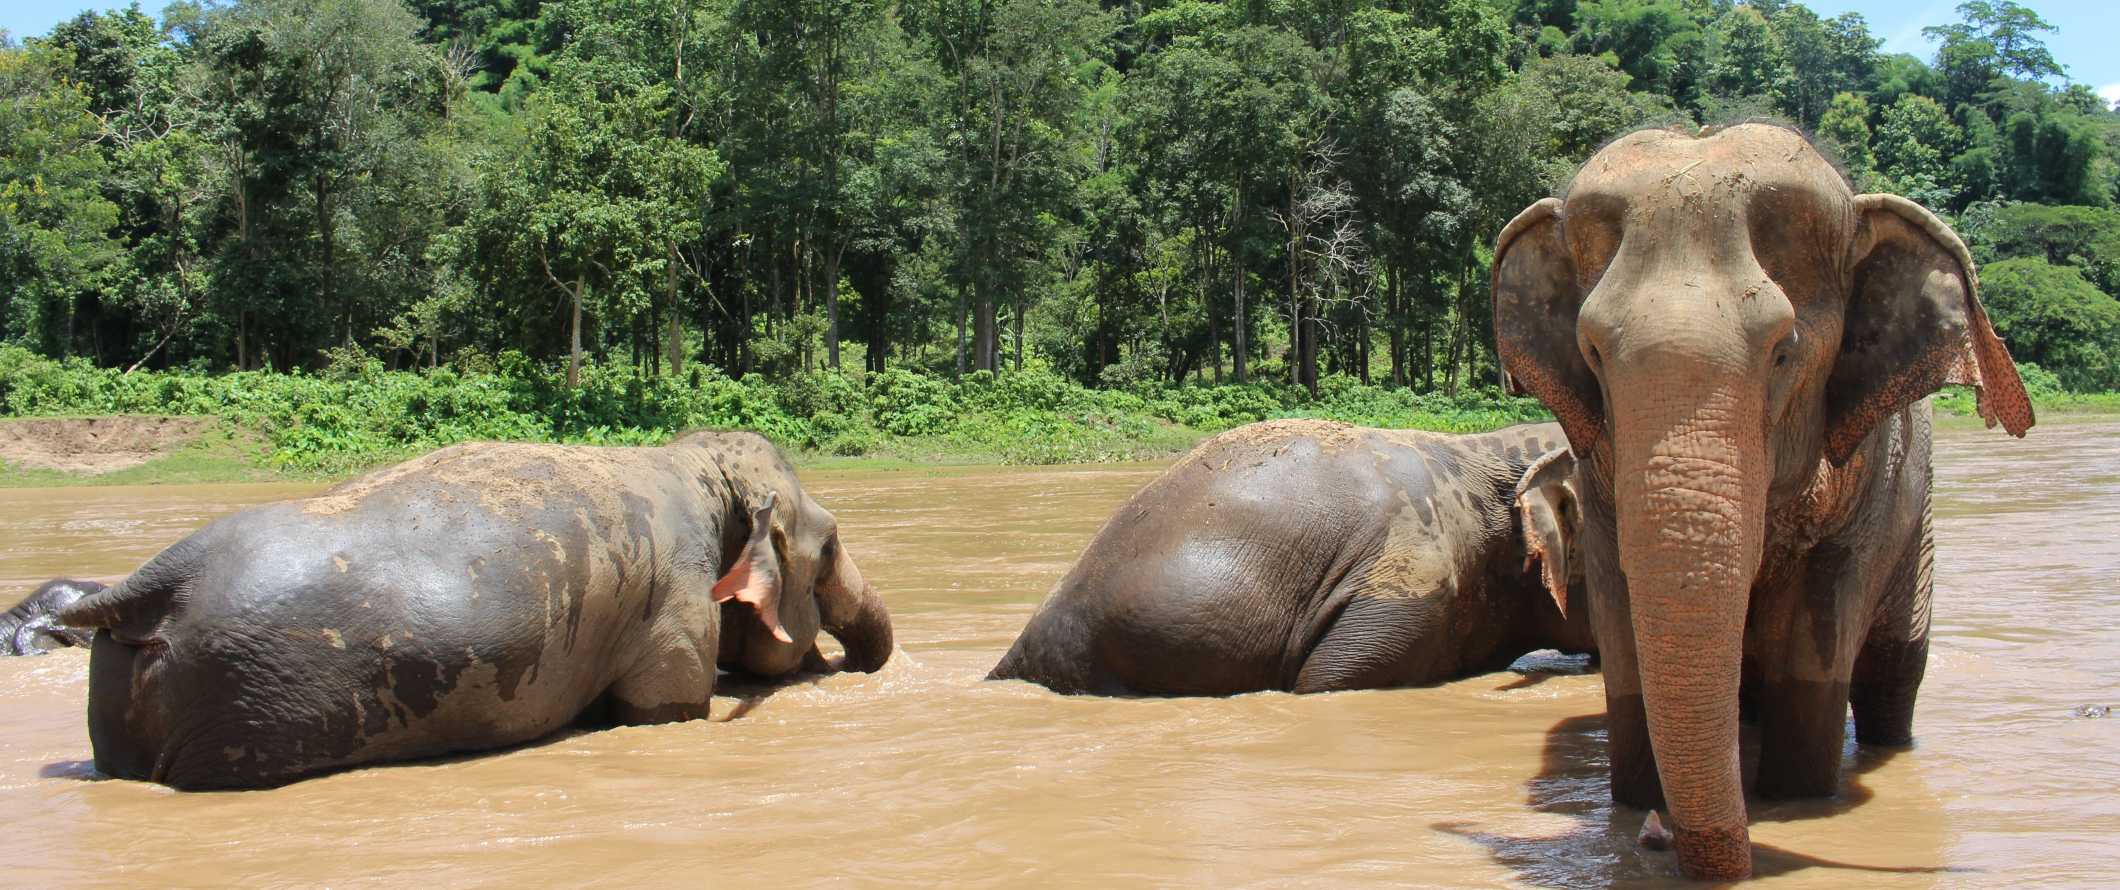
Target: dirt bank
{"points": [[95, 445]]}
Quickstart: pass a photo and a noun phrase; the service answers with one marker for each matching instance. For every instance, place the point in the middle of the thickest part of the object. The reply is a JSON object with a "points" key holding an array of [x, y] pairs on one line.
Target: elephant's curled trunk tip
{"points": [[867, 637], [1654, 835]]}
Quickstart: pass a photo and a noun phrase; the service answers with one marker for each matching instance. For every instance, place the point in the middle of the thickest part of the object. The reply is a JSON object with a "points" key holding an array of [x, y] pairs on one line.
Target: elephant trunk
{"points": [[866, 633], [1690, 479], [854, 614]]}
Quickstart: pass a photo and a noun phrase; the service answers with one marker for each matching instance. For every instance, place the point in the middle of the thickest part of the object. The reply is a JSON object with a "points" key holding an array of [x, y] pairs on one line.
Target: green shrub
{"points": [[358, 414]]}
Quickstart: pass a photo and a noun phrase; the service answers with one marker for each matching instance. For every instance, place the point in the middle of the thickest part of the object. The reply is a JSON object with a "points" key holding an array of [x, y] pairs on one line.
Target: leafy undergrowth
{"points": [[311, 426], [2048, 398], [350, 419]]}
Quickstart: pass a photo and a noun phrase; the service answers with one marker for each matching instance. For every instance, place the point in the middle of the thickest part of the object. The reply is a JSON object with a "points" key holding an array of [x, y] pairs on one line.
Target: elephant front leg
{"points": [[1635, 782], [1888, 672], [1802, 729], [674, 686], [1804, 639], [673, 678], [1887, 677]]}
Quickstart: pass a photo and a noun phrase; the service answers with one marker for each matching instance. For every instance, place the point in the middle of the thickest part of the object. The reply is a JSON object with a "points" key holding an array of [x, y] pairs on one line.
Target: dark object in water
{"points": [[32, 627]]}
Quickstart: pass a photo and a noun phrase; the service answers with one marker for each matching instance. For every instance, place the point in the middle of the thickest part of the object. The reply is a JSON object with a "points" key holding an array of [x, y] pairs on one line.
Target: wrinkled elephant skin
{"points": [[478, 597], [1312, 556], [1738, 345]]}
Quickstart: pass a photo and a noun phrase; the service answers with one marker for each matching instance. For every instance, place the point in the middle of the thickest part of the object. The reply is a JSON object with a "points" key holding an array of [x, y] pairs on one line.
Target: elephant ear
{"points": [[1546, 501], [755, 576], [1536, 298], [1914, 323]]}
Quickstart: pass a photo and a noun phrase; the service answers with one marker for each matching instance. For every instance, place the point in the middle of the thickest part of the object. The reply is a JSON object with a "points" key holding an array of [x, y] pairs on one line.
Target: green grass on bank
{"points": [[308, 426], [300, 426]]}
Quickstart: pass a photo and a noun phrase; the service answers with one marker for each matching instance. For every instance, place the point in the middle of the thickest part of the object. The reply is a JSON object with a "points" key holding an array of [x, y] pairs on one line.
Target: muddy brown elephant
{"points": [[478, 597], [1738, 346], [1311, 556]]}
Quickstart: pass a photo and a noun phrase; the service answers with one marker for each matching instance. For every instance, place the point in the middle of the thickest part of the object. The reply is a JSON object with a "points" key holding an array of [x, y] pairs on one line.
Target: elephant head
{"points": [[1714, 318], [785, 562]]}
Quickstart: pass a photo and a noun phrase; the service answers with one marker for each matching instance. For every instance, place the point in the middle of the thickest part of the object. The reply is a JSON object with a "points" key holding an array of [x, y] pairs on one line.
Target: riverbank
{"points": [[320, 426], [67, 423]]}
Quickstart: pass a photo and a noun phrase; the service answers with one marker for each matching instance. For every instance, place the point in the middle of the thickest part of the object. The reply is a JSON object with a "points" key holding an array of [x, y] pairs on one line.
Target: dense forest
{"points": [[1129, 193]]}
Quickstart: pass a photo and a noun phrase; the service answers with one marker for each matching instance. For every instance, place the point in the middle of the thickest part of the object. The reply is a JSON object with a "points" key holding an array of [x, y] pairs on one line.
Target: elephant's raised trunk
{"points": [[1690, 478]]}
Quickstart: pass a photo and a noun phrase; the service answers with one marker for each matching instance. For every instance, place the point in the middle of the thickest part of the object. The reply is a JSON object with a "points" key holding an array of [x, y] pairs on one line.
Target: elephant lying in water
{"points": [[1737, 347], [32, 627], [1312, 556], [480, 596]]}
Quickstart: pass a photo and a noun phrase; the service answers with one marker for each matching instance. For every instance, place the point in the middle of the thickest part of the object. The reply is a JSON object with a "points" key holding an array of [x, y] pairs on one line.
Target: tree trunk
{"points": [[330, 280], [961, 310], [1361, 348], [831, 305], [675, 348], [1207, 306], [1426, 368], [1239, 350], [1310, 347], [1457, 356], [574, 337], [1395, 322], [984, 342], [879, 339], [1295, 303], [1019, 330]]}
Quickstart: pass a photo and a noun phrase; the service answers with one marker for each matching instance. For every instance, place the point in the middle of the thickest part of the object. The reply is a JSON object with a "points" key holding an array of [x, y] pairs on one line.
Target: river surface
{"points": [[922, 775]]}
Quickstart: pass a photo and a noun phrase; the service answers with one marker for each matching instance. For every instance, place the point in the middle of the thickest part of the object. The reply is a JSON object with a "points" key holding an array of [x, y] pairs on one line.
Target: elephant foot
{"points": [[1802, 727], [1635, 782], [1883, 717], [1715, 854]]}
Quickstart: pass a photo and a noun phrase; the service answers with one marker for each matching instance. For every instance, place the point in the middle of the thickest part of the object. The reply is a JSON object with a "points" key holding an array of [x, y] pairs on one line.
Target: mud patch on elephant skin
{"points": [[1413, 562], [419, 683], [1330, 435], [577, 592], [505, 478]]}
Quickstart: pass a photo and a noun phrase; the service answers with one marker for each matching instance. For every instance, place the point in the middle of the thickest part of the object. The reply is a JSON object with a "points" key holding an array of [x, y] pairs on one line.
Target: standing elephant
{"points": [[1311, 556], [32, 626], [1738, 347], [477, 597]]}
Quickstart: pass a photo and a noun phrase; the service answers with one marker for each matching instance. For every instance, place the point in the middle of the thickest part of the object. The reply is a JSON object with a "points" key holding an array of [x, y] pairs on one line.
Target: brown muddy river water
{"points": [[923, 775]]}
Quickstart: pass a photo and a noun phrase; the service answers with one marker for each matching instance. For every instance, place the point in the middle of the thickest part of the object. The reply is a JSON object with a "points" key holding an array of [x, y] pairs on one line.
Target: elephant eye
{"points": [[1784, 349]]}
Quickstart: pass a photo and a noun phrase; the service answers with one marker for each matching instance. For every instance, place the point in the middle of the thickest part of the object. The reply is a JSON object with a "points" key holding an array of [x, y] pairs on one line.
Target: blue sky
{"points": [[2087, 41]]}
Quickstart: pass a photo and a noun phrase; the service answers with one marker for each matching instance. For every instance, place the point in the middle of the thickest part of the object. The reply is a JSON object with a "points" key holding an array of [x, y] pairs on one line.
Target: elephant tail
{"points": [[146, 595]]}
